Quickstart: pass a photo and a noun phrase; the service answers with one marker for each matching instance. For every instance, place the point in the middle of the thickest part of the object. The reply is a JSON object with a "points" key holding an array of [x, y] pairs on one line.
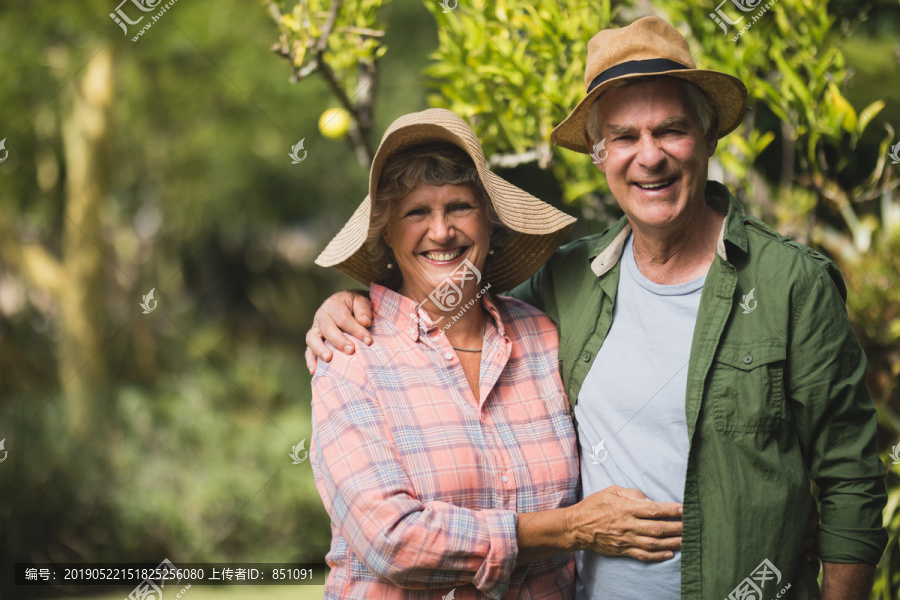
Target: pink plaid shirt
{"points": [[423, 481]]}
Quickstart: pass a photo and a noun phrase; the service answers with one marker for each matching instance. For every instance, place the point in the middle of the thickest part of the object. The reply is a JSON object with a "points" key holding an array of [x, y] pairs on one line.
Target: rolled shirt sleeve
{"points": [[370, 498], [836, 423]]}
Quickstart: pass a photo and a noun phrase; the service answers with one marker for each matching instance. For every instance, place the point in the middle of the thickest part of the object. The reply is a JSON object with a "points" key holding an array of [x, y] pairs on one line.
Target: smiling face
{"points": [[431, 231], [658, 155]]}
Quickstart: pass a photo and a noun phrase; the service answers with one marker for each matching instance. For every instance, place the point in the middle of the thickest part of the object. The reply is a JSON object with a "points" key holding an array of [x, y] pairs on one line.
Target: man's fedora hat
{"points": [[649, 46], [536, 228]]}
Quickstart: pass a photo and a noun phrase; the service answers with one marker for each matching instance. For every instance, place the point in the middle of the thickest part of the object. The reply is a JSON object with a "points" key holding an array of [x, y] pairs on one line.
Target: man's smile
{"points": [[659, 184]]}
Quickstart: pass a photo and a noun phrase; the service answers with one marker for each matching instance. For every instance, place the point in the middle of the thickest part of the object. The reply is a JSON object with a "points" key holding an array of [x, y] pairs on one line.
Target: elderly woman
{"points": [[427, 444]]}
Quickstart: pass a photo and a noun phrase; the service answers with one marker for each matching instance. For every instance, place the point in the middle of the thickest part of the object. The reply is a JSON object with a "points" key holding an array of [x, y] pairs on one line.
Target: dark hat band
{"points": [[632, 67]]}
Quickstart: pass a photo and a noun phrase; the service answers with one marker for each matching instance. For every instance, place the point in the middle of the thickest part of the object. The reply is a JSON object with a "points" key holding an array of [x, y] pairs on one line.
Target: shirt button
{"points": [[504, 479], [448, 356], [748, 359], [586, 357]]}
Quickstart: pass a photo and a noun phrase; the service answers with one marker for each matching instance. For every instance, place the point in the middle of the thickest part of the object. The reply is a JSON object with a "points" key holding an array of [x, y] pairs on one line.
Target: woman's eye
{"points": [[416, 213], [461, 209]]}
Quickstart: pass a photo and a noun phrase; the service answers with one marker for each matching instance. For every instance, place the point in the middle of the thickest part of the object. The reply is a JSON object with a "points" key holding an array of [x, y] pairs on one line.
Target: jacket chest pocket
{"points": [[746, 386]]}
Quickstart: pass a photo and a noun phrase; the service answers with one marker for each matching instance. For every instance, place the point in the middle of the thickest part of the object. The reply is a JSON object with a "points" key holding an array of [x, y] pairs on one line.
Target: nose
{"points": [[649, 154], [441, 228]]}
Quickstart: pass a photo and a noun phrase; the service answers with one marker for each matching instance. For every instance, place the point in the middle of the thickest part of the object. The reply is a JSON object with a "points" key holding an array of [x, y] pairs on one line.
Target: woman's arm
{"points": [[373, 503]]}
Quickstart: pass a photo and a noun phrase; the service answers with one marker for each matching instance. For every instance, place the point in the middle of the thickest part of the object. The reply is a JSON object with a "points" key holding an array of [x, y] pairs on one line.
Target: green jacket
{"points": [[775, 398]]}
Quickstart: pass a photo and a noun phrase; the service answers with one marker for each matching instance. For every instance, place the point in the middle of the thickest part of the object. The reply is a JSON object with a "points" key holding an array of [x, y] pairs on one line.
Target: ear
{"points": [[386, 237], [712, 141]]}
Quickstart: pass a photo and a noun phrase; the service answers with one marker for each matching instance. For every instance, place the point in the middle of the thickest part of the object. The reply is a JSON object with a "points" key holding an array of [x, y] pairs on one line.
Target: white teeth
{"points": [[654, 186], [442, 256]]}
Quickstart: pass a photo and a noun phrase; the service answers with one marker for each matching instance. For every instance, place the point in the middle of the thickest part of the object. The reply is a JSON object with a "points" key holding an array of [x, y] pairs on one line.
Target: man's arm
{"points": [[836, 425], [847, 581], [349, 311], [531, 290], [348, 314], [540, 290]]}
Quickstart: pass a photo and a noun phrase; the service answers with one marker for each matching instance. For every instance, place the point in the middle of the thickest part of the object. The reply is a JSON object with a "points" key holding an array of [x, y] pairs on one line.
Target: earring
{"points": [[390, 265], [491, 250]]}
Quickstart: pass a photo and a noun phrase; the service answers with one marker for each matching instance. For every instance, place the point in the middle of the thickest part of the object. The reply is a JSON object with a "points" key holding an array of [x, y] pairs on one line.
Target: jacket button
{"points": [[586, 357], [748, 359]]}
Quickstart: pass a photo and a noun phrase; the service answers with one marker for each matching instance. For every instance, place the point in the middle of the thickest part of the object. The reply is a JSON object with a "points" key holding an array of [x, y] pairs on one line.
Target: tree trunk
{"points": [[82, 364]]}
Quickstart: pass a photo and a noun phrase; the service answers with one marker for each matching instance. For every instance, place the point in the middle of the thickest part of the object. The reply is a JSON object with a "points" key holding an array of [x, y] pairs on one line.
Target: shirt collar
{"points": [[411, 320], [607, 250]]}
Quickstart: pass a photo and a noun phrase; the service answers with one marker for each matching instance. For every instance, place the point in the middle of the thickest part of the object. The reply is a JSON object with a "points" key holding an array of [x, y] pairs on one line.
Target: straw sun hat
{"points": [[536, 228], [649, 46]]}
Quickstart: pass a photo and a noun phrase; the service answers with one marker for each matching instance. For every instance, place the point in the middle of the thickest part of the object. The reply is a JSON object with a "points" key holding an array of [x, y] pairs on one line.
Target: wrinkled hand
{"points": [[623, 522], [343, 313]]}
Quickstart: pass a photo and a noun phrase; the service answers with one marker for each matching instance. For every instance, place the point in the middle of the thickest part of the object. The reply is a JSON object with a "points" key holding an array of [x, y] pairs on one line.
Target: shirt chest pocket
{"points": [[746, 387]]}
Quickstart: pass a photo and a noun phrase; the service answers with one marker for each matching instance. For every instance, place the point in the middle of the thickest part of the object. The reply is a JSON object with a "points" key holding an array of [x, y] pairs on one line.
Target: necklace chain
{"points": [[473, 349]]}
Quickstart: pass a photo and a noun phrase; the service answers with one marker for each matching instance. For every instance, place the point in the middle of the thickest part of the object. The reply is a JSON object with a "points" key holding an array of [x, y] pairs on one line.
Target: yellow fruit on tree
{"points": [[334, 123]]}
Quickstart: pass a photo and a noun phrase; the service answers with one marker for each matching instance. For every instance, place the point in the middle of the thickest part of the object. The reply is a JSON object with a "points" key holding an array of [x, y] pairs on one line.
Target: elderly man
{"points": [[708, 359]]}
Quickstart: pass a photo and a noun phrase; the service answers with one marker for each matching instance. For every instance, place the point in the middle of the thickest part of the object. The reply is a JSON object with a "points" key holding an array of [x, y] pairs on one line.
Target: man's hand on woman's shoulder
{"points": [[347, 312]]}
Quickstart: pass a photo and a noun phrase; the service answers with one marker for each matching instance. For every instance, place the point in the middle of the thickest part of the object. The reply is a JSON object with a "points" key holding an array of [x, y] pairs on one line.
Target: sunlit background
{"points": [[199, 162]]}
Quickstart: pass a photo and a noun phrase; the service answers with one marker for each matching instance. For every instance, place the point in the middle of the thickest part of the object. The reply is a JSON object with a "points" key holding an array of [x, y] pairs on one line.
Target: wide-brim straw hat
{"points": [[536, 228], [649, 46]]}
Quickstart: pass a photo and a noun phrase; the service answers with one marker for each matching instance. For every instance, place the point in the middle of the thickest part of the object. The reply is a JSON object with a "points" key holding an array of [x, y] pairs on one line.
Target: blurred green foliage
{"points": [[187, 451], [514, 71]]}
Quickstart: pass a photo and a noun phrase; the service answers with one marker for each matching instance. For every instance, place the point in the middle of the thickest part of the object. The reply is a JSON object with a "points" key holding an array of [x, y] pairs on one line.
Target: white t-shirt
{"points": [[631, 421]]}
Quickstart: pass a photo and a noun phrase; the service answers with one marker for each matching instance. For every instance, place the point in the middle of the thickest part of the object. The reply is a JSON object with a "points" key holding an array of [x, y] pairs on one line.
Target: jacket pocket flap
{"points": [[747, 357]]}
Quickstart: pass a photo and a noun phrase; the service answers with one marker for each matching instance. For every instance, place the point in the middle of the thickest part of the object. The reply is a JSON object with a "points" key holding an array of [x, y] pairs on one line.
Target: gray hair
{"points": [[697, 100]]}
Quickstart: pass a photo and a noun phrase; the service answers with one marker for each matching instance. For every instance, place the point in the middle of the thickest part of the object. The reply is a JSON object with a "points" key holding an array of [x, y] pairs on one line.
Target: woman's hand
{"points": [[347, 312]]}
